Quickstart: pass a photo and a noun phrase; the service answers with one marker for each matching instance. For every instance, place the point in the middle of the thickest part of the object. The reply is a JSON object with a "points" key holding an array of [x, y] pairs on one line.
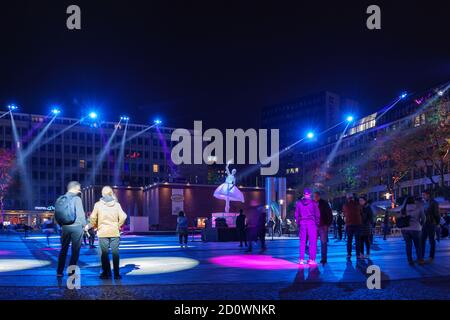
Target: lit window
{"points": [[82, 164], [155, 168]]}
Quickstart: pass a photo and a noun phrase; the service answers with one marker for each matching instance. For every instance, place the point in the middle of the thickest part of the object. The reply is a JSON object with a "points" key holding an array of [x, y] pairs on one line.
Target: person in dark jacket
{"points": [[182, 229], [72, 234], [240, 226], [352, 214], [326, 219], [256, 230], [366, 226], [432, 218]]}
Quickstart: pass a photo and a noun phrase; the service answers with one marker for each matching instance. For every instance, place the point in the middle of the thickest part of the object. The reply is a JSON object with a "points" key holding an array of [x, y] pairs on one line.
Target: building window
{"points": [[155, 168], [82, 164]]}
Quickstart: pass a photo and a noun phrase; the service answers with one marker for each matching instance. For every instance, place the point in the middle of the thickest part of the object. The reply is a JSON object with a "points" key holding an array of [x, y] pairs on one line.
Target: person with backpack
{"points": [[108, 217], [326, 219], [307, 215], [69, 214], [413, 218], [432, 218], [182, 229]]}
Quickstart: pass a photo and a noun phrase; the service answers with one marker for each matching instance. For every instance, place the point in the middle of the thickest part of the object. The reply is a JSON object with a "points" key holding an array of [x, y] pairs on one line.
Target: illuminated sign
{"points": [[49, 208]]}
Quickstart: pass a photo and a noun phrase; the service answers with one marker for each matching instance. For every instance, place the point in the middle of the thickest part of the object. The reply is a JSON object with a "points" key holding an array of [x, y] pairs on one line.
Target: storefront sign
{"points": [[177, 201]]}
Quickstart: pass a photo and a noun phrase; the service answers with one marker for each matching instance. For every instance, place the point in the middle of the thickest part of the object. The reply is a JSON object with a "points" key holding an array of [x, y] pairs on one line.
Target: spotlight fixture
{"points": [[403, 95], [93, 115], [56, 111], [12, 107], [124, 118], [157, 121], [310, 135], [349, 118], [440, 93]]}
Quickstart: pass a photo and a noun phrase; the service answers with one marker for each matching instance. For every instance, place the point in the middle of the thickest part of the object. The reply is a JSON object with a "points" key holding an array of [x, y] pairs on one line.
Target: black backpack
{"points": [[65, 210], [404, 220]]}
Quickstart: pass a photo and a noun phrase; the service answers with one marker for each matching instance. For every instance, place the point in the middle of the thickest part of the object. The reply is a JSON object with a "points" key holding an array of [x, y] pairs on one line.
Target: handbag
{"points": [[403, 221]]}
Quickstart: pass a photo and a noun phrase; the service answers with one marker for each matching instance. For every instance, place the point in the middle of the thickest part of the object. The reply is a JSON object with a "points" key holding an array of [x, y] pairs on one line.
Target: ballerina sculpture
{"points": [[228, 191]]}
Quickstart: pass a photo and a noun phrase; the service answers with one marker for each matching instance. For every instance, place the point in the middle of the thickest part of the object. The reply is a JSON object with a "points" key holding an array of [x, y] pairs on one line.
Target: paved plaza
{"points": [[155, 267]]}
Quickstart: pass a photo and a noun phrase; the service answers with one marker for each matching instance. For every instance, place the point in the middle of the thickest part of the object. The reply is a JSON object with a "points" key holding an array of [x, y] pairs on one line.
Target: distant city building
{"points": [[324, 166], [314, 112], [73, 155]]}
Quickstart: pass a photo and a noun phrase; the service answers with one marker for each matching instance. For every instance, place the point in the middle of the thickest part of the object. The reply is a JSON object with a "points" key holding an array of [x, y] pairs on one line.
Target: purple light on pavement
{"points": [[253, 262], [6, 253]]}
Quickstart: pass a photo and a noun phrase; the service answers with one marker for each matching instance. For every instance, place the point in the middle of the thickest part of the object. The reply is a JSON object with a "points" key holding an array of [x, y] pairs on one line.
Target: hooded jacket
{"points": [[107, 216], [307, 211]]}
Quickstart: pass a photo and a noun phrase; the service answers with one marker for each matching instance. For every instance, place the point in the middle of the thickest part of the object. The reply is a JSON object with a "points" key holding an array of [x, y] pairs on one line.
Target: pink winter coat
{"points": [[307, 212]]}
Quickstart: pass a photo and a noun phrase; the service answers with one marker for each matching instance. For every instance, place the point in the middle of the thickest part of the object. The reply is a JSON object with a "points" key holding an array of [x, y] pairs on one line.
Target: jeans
{"points": [[339, 230], [323, 234], [308, 231], [105, 244], [429, 231], [70, 235], [253, 234], [183, 237], [364, 240], [242, 237], [353, 231], [411, 237]]}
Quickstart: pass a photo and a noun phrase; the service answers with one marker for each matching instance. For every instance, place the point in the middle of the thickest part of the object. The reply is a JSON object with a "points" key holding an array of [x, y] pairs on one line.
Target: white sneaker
{"points": [[313, 262], [302, 261]]}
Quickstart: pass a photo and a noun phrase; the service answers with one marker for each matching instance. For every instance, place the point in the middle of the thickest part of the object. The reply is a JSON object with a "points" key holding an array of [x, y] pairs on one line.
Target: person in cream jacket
{"points": [[108, 217]]}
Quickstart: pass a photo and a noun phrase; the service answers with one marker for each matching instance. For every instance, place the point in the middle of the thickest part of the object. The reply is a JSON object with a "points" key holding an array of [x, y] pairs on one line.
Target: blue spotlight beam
{"points": [[26, 184], [102, 154], [119, 161], [137, 134], [5, 114], [35, 143], [61, 132], [324, 167]]}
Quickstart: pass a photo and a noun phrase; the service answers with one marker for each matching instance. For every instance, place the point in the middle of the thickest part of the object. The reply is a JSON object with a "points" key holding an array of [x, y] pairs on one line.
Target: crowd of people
{"points": [[419, 220]]}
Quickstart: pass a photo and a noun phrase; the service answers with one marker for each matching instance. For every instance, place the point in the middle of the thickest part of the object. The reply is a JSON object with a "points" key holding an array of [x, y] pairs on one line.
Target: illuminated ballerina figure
{"points": [[228, 191]]}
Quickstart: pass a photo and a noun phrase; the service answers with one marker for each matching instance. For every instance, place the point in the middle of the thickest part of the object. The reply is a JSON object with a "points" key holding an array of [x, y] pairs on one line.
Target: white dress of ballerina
{"points": [[228, 191]]}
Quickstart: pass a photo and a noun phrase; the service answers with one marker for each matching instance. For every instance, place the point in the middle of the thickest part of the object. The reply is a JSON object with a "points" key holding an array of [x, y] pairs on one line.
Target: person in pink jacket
{"points": [[307, 215]]}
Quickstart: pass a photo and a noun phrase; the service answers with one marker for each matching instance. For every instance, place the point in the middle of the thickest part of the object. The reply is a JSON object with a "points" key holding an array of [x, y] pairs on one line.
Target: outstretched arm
{"points": [[227, 170]]}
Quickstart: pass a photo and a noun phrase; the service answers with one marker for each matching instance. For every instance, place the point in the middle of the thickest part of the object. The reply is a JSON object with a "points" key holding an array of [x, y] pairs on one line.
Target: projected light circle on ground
{"points": [[156, 265], [253, 262], [8, 265]]}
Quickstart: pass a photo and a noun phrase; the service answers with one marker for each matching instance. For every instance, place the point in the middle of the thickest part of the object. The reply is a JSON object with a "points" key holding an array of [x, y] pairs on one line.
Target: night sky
{"points": [[216, 61]]}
